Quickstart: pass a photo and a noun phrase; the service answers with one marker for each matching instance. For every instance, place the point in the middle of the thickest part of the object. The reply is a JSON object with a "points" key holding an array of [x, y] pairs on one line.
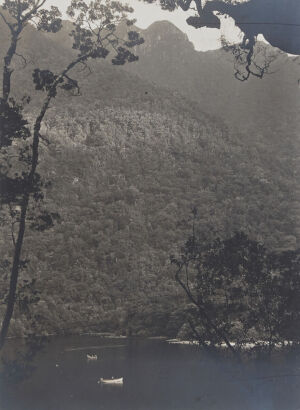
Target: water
{"points": [[157, 376]]}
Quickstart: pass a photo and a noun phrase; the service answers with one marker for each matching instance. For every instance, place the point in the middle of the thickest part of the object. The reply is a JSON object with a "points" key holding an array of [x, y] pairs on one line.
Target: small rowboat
{"points": [[91, 356], [111, 381]]}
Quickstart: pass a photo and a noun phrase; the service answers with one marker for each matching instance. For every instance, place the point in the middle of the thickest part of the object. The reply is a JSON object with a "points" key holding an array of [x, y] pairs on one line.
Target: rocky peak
{"points": [[164, 33]]}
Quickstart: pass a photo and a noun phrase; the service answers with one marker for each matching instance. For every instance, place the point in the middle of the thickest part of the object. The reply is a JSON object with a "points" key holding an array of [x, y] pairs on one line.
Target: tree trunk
{"points": [[7, 70], [22, 225], [209, 324], [25, 201], [14, 273]]}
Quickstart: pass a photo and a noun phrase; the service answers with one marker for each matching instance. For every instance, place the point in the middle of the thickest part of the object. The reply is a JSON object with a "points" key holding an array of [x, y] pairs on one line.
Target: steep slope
{"points": [[127, 161], [169, 59], [124, 181]]}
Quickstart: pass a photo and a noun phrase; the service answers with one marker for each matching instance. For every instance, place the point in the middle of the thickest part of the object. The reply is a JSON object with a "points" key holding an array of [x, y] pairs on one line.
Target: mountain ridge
{"points": [[208, 78], [127, 160]]}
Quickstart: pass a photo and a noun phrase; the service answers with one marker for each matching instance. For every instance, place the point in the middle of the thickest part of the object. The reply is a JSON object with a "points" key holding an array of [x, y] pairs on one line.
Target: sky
{"points": [[203, 39]]}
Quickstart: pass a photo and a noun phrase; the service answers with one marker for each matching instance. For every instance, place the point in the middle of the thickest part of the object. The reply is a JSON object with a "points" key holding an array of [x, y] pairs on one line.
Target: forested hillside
{"points": [[269, 105], [124, 182], [127, 162], [167, 59]]}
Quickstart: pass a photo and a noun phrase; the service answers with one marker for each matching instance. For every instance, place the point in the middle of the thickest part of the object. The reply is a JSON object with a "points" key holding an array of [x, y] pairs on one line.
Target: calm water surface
{"points": [[157, 376]]}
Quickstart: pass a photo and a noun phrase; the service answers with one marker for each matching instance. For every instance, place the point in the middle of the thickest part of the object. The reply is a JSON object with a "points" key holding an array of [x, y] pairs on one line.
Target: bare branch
{"points": [[45, 140], [74, 84], [85, 67], [22, 58]]}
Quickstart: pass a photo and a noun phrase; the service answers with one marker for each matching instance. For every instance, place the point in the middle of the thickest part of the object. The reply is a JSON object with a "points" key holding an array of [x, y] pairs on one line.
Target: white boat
{"points": [[111, 381], [91, 356]]}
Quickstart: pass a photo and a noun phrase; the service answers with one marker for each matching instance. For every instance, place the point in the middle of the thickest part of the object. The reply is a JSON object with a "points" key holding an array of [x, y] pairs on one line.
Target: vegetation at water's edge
{"points": [[123, 182], [122, 167]]}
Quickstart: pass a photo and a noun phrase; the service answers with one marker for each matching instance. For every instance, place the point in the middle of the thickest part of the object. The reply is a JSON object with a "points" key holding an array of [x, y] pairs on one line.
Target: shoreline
{"points": [[245, 345]]}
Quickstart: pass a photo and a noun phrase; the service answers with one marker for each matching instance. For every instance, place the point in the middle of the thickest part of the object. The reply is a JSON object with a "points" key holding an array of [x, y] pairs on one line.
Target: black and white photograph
{"points": [[149, 204]]}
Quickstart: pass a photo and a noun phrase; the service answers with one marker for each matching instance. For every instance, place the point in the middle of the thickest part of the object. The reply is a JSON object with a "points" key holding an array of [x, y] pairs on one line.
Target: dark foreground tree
{"points": [[94, 37], [277, 20], [239, 293]]}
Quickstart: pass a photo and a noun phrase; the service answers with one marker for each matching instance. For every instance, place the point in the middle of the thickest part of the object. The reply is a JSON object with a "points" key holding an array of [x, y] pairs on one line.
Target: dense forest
{"points": [[124, 164]]}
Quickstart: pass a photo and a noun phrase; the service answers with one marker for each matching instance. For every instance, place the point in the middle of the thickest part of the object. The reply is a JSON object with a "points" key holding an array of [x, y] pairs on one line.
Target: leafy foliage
{"points": [[128, 178], [240, 292], [31, 11], [252, 17], [14, 134], [91, 46], [12, 124], [95, 30], [127, 163]]}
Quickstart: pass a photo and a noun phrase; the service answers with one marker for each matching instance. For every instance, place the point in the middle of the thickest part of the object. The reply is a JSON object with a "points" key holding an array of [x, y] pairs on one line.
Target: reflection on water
{"points": [[72, 349], [157, 376]]}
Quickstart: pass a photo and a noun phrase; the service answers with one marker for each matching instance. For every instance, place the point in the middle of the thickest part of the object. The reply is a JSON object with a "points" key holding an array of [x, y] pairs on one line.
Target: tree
{"points": [[239, 292], [94, 37], [276, 20]]}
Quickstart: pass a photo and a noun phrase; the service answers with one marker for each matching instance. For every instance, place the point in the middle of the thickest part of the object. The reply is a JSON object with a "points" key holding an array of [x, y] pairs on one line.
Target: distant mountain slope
{"points": [[124, 181], [106, 84], [127, 161], [169, 59]]}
